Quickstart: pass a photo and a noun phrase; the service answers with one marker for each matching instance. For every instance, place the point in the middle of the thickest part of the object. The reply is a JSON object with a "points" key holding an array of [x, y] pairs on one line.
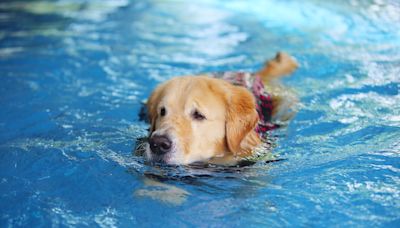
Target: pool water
{"points": [[74, 74]]}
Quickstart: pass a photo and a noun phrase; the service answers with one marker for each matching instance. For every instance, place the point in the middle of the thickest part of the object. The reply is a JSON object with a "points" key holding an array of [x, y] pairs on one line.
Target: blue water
{"points": [[74, 73]]}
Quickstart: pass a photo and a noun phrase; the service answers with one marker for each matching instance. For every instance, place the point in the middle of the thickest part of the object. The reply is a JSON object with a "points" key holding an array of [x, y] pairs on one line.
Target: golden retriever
{"points": [[211, 120]]}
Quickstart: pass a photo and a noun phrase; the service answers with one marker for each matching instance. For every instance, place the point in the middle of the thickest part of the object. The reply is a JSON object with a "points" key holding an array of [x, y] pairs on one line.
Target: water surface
{"points": [[74, 73]]}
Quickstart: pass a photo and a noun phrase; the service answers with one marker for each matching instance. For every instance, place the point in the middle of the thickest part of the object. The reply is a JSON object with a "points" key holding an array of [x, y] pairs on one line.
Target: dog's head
{"points": [[200, 119]]}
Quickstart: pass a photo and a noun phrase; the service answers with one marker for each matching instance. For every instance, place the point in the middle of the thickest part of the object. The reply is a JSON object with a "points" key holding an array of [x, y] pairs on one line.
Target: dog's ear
{"points": [[152, 104], [241, 119]]}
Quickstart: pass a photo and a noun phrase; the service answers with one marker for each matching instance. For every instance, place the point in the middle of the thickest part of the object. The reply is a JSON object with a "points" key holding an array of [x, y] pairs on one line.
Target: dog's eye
{"points": [[163, 111], [197, 115]]}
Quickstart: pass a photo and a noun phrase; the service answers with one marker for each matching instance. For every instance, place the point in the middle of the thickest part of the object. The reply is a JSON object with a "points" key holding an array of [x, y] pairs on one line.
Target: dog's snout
{"points": [[160, 144]]}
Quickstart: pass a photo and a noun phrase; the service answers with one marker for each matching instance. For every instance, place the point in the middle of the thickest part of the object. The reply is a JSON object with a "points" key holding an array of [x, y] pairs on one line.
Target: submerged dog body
{"points": [[206, 119]]}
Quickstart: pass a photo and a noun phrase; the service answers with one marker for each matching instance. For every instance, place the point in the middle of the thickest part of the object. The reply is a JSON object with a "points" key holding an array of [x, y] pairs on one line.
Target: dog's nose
{"points": [[160, 144]]}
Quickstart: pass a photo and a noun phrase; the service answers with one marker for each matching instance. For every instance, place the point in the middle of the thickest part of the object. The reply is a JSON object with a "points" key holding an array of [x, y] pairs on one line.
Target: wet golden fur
{"points": [[227, 133]]}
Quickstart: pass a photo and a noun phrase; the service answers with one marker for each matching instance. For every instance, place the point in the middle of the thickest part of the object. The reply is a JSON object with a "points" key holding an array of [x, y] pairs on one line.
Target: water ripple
{"points": [[74, 74]]}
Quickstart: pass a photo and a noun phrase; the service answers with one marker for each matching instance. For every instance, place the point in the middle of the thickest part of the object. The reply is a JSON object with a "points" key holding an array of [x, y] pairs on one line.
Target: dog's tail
{"points": [[283, 64], [284, 100]]}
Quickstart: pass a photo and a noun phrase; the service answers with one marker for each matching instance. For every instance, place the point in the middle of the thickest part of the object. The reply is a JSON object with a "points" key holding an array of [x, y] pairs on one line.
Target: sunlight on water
{"points": [[74, 75]]}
